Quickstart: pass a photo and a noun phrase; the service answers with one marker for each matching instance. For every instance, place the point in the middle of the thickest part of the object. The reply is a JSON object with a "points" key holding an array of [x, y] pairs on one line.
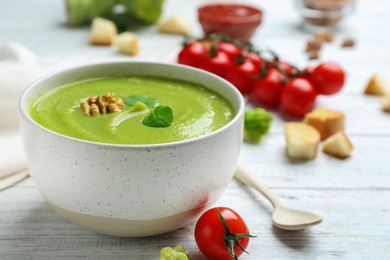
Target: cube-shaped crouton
{"points": [[376, 86], [327, 122], [103, 31], [385, 101], [301, 141], [127, 43], [338, 145], [175, 24]]}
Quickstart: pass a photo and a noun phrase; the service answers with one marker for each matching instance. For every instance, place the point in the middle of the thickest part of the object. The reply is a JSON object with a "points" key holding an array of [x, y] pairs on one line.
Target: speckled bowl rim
{"points": [[23, 104]]}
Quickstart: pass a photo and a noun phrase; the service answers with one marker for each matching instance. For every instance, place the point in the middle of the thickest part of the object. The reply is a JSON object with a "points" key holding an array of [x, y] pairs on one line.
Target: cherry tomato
{"points": [[254, 57], [230, 49], [192, 54], [283, 66], [305, 72], [308, 69], [267, 90], [298, 97], [216, 62], [210, 234], [242, 75], [328, 78], [287, 67]]}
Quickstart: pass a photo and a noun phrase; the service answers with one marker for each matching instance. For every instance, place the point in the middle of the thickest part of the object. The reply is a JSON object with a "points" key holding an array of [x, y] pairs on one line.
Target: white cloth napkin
{"points": [[12, 163], [18, 68]]}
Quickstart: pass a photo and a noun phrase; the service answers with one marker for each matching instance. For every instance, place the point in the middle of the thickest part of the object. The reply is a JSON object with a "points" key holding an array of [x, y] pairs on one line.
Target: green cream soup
{"points": [[196, 110]]}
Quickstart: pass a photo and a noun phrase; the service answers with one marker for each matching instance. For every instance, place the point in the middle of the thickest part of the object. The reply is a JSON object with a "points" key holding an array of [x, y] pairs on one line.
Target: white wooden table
{"points": [[352, 195]]}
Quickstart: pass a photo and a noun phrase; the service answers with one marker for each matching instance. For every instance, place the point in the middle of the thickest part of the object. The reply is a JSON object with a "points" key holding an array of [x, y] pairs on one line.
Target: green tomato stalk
{"points": [[232, 239]]}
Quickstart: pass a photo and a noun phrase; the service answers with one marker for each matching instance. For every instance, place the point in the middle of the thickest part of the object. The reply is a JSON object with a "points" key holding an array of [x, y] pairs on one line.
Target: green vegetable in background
{"points": [[178, 253], [123, 12], [256, 124]]}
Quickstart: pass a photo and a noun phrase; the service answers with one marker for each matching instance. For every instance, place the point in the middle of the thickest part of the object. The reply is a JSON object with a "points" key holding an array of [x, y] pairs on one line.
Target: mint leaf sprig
{"points": [[159, 116]]}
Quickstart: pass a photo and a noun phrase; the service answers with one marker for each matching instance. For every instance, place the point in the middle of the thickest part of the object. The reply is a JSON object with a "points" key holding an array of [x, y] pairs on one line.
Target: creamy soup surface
{"points": [[196, 110]]}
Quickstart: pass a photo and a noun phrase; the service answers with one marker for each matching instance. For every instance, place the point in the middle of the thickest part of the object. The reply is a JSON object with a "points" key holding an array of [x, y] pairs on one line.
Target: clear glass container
{"points": [[325, 13]]}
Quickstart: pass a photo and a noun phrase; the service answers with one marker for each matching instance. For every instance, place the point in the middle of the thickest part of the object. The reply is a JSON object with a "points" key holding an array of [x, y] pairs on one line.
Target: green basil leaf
{"points": [[148, 101], [161, 116]]}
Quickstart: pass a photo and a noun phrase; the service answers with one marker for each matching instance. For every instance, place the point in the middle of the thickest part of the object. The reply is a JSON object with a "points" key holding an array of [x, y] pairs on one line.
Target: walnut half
{"points": [[97, 105]]}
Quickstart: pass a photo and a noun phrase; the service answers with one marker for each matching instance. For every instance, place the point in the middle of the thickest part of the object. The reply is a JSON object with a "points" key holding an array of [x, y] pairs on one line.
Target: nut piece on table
{"points": [[127, 43], [385, 101], [302, 141], [175, 24], [103, 31], [313, 45], [338, 145], [313, 48], [347, 43], [324, 36], [376, 86], [327, 122], [314, 55]]}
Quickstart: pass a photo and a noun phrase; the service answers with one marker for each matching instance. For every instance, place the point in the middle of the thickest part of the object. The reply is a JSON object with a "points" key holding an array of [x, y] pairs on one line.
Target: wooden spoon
{"points": [[283, 217]]}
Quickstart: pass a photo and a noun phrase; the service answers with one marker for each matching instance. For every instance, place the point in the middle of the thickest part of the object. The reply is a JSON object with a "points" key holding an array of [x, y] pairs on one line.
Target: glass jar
{"points": [[325, 13]]}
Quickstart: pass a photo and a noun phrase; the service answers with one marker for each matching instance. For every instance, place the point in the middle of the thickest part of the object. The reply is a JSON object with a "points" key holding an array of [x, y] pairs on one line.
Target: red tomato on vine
{"points": [[327, 78], [305, 72], [221, 233], [192, 53], [284, 85], [254, 57], [232, 50], [216, 62], [283, 66], [267, 90], [242, 74], [298, 97], [287, 67]]}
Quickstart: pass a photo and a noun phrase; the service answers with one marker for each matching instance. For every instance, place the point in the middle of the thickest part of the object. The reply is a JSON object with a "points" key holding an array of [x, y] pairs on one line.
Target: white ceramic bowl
{"points": [[131, 190]]}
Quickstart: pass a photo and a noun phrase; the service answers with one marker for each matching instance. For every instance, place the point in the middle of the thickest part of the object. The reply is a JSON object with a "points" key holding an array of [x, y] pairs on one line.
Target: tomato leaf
{"points": [[161, 116]]}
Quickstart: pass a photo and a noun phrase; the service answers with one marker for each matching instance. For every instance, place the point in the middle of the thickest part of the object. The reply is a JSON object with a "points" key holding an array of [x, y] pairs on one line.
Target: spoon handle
{"points": [[244, 175]]}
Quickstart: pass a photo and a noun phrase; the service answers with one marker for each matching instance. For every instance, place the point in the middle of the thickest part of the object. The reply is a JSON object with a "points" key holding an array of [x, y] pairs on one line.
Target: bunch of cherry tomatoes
{"points": [[269, 80]]}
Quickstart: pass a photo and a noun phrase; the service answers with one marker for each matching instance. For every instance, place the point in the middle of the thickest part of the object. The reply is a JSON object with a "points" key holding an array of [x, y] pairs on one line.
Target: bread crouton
{"points": [[327, 122], [385, 101], [338, 145], [103, 31], [175, 24], [302, 141], [376, 86], [127, 43]]}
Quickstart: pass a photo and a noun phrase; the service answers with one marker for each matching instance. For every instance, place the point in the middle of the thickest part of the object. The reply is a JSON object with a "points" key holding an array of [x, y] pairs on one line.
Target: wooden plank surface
{"points": [[352, 195], [355, 226]]}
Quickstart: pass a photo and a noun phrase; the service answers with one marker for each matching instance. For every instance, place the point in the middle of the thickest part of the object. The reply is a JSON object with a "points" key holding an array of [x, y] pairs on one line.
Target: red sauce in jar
{"points": [[238, 21]]}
